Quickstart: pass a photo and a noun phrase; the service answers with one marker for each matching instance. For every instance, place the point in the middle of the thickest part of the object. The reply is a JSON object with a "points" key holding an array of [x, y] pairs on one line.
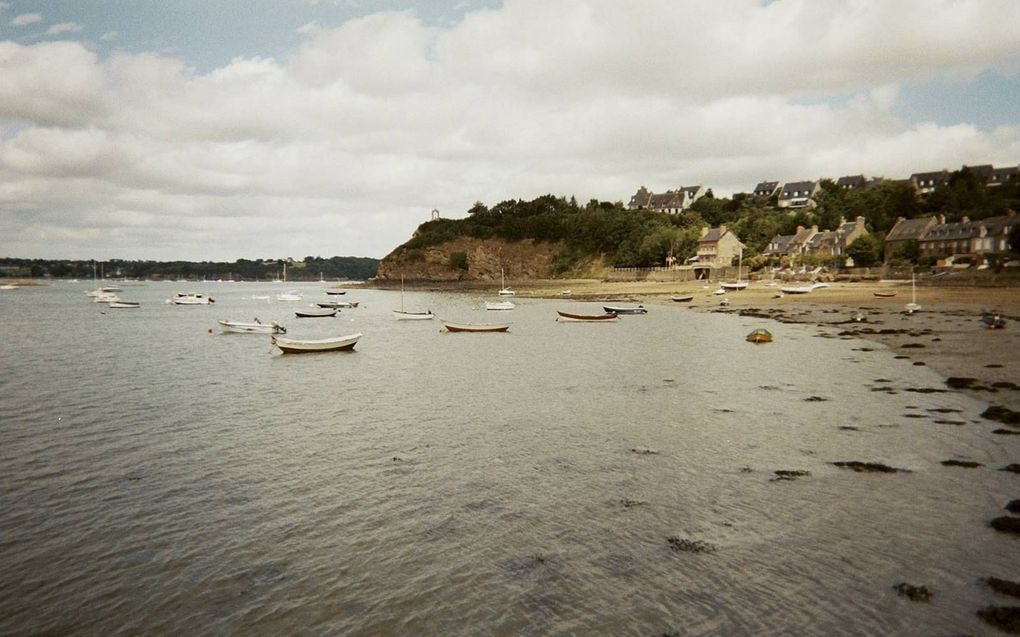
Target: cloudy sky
{"points": [[226, 129]]}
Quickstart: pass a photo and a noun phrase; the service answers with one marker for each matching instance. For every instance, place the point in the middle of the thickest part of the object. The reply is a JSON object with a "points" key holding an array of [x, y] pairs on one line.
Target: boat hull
{"points": [[413, 316], [624, 310], [316, 313], [295, 346], [503, 305], [734, 285], [682, 299], [475, 327], [239, 327], [567, 317], [124, 305]]}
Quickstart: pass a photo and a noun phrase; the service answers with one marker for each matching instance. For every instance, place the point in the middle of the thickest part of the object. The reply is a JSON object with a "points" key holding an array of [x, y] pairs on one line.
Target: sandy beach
{"points": [[947, 334]]}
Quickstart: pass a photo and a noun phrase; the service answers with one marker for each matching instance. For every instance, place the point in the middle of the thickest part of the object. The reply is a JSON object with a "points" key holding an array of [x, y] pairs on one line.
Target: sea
{"points": [[160, 477]]}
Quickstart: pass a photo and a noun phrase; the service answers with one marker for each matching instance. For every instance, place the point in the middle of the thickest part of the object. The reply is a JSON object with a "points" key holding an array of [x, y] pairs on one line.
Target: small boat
{"points": [[993, 321], [290, 295], [500, 305], [106, 297], [191, 299], [123, 305], [802, 289], [402, 315], [475, 327], [684, 298], [760, 335], [884, 295], [99, 291], [339, 304], [565, 292], [719, 292], [8, 286], [738, 284], [503, 289], [335, 291], [316, 312], [858, 316], [255, 327], [567, 317], [725, 302], [297, 346], [615, 309], [912, 306]]}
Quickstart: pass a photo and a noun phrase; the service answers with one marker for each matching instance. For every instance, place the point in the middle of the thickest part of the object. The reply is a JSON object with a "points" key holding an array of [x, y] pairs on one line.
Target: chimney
{"points": [[941, 220], [722, 229], [814, 228], [842, 221], [965, 219]]}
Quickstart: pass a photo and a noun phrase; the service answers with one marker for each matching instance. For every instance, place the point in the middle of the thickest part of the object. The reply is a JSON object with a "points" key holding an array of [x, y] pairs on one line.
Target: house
{"points": [[717, 247], [928, 182], [981, 173], [798, 194], [671, 201], [778, 246], [766, 189], [852, 182], [968, 237], [906, 230], [850, 231], [834, 242], [1002, 176]]}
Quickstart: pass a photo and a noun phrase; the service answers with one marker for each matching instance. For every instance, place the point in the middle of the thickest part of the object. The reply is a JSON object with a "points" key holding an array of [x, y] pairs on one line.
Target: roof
{"points": [[823, 239], [781, 243], [851, 181], [713, 234], [938, 176], [805, 187], [1002, 175], [766, 187], [1001, 225], [909, 229], [953, 231]]}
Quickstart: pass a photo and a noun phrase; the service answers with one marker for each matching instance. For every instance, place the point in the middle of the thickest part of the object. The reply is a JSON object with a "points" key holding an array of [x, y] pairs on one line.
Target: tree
{"points": [[865, 250]]}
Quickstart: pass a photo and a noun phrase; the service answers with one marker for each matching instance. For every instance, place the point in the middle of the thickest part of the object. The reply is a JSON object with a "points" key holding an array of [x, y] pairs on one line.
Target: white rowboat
{"points": [[296, 346]]}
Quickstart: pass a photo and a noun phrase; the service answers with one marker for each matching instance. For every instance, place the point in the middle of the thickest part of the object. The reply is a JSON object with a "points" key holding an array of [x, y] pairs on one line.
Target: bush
{"points": [[459, 260]]}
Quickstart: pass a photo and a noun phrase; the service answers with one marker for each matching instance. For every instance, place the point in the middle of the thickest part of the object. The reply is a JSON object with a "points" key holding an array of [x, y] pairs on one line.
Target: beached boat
{"points": [[884, 295], [124, 305], [682, 298], [624, 309], [402, 315], [993, 320], [912, 306], [760, 335], [475, 327], [316, 312], [858, 316], [500, 305], [191, 299], [567, 317], [8, 286], [802, 289], [253, 327], [738, 284], [298, 346]]}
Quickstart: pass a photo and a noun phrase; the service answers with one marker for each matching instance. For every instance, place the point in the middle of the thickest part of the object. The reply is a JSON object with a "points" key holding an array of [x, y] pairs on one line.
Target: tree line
{"points": [[309, 269]]}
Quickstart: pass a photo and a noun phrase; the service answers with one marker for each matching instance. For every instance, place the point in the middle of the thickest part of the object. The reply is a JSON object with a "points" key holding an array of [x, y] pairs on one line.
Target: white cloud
{"points": [[347, 144], [26, 19], [63, 27]]}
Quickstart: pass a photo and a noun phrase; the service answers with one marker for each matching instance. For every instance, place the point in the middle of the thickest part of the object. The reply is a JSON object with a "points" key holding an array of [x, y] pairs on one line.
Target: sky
{"points": [[228, 129]]}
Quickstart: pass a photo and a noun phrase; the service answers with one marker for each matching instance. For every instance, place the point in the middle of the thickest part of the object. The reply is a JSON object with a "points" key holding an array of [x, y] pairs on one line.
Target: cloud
{"points": [[63, 27], [347, 143], [26, 19]]}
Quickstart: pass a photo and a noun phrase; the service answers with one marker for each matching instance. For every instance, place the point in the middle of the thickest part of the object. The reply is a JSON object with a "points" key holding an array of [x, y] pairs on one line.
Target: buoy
{"points": [[210, 330]]}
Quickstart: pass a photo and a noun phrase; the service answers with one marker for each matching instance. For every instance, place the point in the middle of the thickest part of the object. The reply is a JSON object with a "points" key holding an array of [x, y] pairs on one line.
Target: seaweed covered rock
{"points": [[969, 464], [913, 593], [684, 545], [1004, 586], [1005, 618], [1006, 524], [1002, 414], [868, 467]]}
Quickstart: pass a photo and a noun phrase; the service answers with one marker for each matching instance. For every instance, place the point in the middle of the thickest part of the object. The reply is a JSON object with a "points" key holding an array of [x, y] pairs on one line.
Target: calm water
{"points": [[161, 480]]}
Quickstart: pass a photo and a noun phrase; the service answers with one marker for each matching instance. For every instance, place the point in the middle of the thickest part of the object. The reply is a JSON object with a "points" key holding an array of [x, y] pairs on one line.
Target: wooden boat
{"points": [[500, 305], [254, 327], [338, 304], [684, 298], [125, 305], [567, 317], [296, 346], [616, 309], [191, 299], [402, 315], [760, 335], [475, 327], [316, 312], [884, 295]]}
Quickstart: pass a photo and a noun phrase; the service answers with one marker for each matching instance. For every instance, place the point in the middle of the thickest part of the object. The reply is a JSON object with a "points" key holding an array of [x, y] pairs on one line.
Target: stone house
{"points": [[717, 247], [966, 237], [671, 201], [852, 182], [906, 230], [928, 182]]}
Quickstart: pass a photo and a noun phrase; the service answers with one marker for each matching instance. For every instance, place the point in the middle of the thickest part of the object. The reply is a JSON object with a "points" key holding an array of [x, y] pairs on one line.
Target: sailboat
{"points": [[912, 306], [402, 315], [738, 284], [503, 289]]}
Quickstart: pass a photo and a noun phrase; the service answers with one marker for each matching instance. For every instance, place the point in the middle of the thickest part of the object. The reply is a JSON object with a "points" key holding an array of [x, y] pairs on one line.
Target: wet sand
{"points": [[947, 334]]}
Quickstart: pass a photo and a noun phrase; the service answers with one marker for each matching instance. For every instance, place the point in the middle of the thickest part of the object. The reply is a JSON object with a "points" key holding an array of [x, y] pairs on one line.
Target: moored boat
{"points": [[299, 346], [335, 291], [316, 312], [254, 327], [682, 298], [290, 295], [567, 317], [993, 320], [191, 299], [802, 289], [884, 295], [623, 309], [450, 326], [401, 315], [500, 305], [124, 305], [339, 304]]}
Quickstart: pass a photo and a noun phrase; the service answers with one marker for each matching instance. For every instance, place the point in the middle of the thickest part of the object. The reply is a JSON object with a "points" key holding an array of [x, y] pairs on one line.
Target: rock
{"points": [[868, 467], [1003, 586], [789, 474], [1001, 414], [1012, 468], [969, 464], [1006, 524], [1005, 618], [1013, 506], [684, 545], [960, 382], [914, 593]]}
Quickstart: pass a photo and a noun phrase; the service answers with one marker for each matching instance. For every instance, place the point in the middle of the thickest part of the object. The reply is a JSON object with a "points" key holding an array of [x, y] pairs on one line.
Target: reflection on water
{"points": [[159, 478]]}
